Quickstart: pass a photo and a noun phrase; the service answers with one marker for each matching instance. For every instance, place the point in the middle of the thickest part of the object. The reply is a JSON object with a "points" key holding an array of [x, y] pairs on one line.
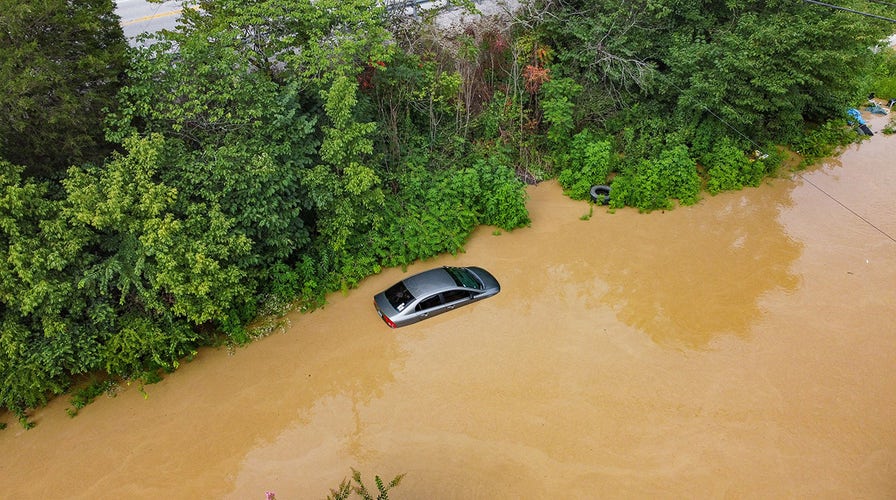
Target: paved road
{"points": [[139, 16]]}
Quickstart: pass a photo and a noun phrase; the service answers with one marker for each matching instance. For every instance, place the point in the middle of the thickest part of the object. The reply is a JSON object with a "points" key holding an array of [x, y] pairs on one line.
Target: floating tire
{"points": [[600, 194]]}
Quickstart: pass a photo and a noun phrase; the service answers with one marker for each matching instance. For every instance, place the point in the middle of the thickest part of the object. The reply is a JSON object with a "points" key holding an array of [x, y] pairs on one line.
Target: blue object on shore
{"points": [[876, 108], [855, 115]]}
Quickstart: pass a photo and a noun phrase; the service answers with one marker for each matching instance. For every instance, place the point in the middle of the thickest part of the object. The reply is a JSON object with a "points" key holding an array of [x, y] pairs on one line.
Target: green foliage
{"points": [[499, 120], [729, 169], [344, 189], [84, 396], [31, 367], [60, 67], [432, 214], [48, 326], [185, 264], [587, 163], [885, 87], [141, 345], [651, 184], [602, 45], [681, 175], [724, 165], [764, 71], [706, 135], [502, 196], [823, 141], [357, 486], [557, 99], [882, 74]]}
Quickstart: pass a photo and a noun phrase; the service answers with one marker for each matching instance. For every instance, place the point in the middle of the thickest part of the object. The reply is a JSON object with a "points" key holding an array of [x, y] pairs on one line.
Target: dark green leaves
{"points": [[60, 66]]}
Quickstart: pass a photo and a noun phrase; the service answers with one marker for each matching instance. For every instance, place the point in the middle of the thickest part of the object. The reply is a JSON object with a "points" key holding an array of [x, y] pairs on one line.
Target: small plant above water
{"points": [[356, 485], [85, 396]]}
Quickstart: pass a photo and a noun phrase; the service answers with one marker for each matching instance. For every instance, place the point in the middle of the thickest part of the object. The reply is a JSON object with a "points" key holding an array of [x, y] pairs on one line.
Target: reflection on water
{"points": [[742, 347], [699, 272]]}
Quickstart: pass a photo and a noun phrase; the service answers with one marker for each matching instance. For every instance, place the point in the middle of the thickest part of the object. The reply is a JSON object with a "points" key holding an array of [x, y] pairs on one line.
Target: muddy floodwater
{"points": [[741, 347]]}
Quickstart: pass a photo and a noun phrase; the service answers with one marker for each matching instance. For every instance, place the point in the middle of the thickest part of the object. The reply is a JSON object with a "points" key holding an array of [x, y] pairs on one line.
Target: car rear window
{"points": [[464, 278], [399, 296]]}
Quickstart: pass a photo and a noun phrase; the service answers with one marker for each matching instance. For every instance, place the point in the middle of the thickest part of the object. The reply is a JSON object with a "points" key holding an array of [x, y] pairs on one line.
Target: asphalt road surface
{"points": [[140, 16]]}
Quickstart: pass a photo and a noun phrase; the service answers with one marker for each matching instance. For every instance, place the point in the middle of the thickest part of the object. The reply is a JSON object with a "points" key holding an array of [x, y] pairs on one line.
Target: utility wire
{"points": [[866, 14], [801, 176], [881, 231]]}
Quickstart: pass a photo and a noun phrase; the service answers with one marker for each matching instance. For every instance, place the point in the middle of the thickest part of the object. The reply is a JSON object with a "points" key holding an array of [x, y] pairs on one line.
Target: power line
{"points": [[881, 231], [866, 14], [759, 148]]}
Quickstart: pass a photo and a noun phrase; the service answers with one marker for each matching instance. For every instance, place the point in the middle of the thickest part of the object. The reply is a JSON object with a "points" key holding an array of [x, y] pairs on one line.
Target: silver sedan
{"points": [[433, 292]]}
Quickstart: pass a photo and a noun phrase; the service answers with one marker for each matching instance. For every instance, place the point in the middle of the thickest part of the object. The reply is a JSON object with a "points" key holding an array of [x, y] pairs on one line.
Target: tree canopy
{"points": [[61, 66]]}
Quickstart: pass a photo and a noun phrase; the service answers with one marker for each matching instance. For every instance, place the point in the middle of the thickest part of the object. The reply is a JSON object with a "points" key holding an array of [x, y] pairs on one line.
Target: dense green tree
{"points": [[738, 72], [47, 324], [766, 70], [152, 257], [764, 67], [235, 139], [60, 67]]}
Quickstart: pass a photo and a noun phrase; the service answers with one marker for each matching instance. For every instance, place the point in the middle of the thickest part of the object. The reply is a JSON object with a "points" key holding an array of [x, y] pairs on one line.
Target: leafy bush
{"points": [[435, 211], [587, 163], [883, 75], [90, 392], [729, 168], [824, 141], [651, 184], [502, 201], [141, 345], [557, 103], [681, 174]]}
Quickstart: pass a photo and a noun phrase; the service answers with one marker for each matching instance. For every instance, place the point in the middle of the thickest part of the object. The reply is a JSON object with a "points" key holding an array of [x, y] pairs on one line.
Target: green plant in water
{"points": [[87, 395], [589, 214], [729, 168], [586, 164], [356, 485], [824, 141]]}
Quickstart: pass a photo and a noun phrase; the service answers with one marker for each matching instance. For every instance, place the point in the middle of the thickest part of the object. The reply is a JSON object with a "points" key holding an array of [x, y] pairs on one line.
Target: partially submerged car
{"points": [[433, 292]]}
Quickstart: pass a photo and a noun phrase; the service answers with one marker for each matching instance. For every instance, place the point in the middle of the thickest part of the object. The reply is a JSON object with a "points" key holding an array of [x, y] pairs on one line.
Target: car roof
{"points": [[429, 282]]}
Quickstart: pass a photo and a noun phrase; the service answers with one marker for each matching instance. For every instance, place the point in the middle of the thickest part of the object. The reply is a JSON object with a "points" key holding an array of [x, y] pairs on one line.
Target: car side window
{"points": [[452, 295], [429, 303]]}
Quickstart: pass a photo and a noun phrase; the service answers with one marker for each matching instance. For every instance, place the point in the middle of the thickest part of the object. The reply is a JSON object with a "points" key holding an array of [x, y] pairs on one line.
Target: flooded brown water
{"points": [[742, 347]]}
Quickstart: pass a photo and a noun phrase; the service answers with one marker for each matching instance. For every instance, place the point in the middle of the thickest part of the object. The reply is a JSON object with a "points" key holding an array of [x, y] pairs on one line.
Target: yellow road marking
{"points": [[156, 16]]}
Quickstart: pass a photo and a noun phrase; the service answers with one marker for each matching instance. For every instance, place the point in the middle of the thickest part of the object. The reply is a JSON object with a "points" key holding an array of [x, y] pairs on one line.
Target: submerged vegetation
{"points": [[264, 154]]}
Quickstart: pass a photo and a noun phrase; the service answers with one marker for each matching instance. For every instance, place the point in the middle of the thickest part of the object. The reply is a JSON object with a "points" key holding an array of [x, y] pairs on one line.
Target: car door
{"points": [[429, 306], [455, 298], [441, 302]]}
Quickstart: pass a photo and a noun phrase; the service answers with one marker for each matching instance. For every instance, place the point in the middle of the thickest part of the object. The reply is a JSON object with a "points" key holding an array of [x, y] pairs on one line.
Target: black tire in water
{"points": [[600, 194]]}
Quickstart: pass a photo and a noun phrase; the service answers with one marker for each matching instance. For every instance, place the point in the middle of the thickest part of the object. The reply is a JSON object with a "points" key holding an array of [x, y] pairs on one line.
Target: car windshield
{"points": [[463, 277], [399, 296]]}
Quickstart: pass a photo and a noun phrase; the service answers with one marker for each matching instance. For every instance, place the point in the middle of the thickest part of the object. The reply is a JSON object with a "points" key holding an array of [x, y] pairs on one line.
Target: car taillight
{"points": [[388, 321]]}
